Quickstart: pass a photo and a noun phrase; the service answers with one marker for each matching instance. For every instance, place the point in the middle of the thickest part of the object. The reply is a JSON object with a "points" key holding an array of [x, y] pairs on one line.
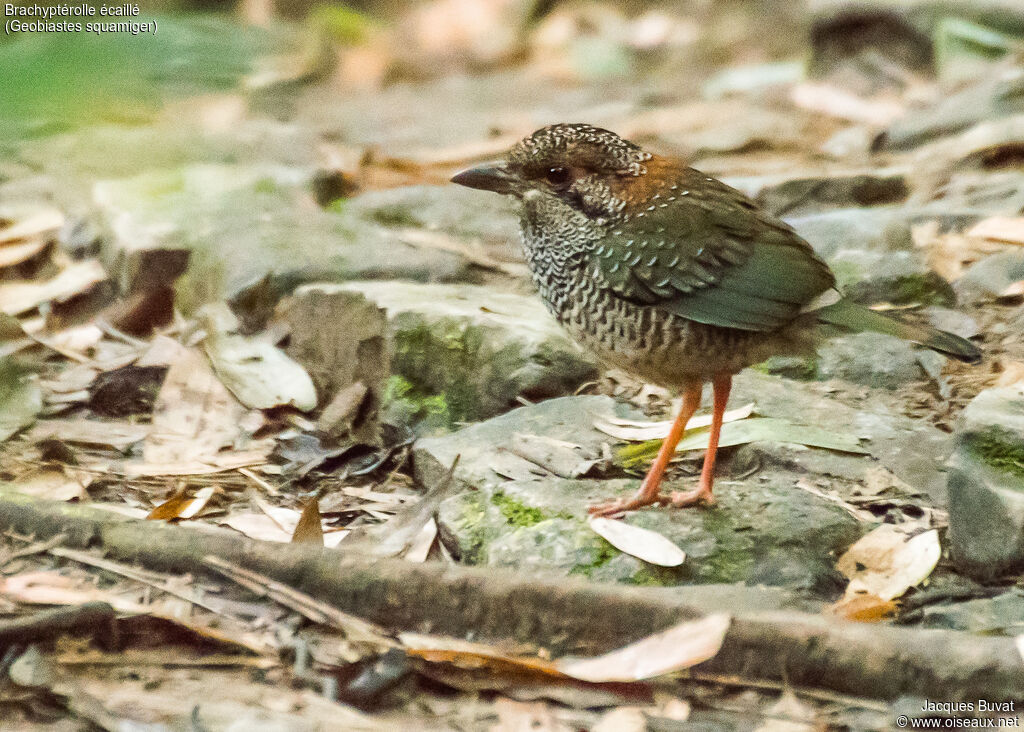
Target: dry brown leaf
{"points": [[308, 529], [864, 607], [556, 456], [118, 435], [53, 588], [1012, 372], [20, 297], [259, 374], [951, 253], [650, 546], [55, 484], [257, 454], [681, 646], [12, 254], [887, 562], [422, 543], [476, 656], [46, 221], [638, 431], [842, 104], [194, 415], [181, 506], [1009, 230]]}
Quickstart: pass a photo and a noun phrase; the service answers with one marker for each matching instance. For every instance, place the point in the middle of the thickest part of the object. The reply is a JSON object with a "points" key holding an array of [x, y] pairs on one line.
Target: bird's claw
{"points": [[696, 497]]}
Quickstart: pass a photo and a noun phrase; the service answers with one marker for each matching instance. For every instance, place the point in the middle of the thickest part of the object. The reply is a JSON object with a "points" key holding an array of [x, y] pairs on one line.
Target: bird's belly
{"points": [[661, 347]]}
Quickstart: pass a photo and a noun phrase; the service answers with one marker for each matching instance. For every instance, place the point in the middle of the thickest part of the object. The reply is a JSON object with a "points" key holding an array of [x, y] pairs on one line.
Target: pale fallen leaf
{"points": [[54, 484], [258, 526], [257, 454], [758, 429], [789, 714], [118, 435], [53, 588], [1012, 373], [259, 374], [840, 103], [20, 297], [1020, 646], [679, 647], [556, 456], [13, 254], [43, 222], [887, 562], [638, 431], [194, 414], [621, 719], [644, 544], [1014, 289], [422, 543], [1009, 230]]}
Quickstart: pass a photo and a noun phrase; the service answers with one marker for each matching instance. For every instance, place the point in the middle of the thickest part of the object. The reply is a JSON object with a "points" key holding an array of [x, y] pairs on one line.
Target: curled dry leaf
{"points": [[887, 562], [181, 506], [638, 431], [644, 544], [20, 297], [1009, 230], [308, 529], [863, 607], [681, 646], [260, 375]]}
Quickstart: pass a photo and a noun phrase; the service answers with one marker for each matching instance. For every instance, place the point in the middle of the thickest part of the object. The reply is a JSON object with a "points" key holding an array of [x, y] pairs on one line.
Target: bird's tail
{"points": [[852, 316]]}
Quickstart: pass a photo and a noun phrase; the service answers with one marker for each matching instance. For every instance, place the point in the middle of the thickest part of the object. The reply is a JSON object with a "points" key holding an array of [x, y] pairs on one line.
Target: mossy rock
{"points": [[466, 353], [541, 526]]}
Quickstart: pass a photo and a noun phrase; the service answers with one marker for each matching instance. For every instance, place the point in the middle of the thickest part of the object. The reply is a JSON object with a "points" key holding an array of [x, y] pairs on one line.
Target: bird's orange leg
{"points": [[649, 490], [722, 384]]}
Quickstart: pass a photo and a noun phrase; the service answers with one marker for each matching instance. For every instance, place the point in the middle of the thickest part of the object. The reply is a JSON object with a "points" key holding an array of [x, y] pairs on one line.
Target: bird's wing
{"points": [[708, 253]]}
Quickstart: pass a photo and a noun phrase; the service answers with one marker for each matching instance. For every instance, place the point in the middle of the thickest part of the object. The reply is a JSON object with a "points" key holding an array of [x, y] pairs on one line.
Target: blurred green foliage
{"points": [[57, 81]]}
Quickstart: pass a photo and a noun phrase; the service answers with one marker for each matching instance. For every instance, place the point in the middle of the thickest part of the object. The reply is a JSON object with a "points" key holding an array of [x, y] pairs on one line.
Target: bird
{"points": [[671, 275]]}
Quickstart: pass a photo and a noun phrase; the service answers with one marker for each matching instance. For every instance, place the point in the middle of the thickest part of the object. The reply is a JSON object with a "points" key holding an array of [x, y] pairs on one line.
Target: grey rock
{"points": [[913, 450], [795, 195], [954, 321], [871, 359], [992, 95], [511, 512], [986, 489], [439, 208], [757, 533], [991, 276], [570, 419], [1002, 614], [900, 277], [243, 222], [881, 228], [477, 348]]}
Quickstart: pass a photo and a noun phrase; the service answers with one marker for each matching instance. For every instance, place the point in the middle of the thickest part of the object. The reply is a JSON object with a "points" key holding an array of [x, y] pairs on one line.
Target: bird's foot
{"points": [[621, 505], [696, 497]]}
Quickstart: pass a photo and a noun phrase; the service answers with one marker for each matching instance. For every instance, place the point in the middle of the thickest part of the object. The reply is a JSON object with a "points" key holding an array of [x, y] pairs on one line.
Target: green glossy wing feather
{"points": [[706, 252]]}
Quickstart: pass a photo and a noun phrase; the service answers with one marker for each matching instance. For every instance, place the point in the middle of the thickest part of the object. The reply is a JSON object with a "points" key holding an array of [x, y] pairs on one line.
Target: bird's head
{"points": [[588, 169]]}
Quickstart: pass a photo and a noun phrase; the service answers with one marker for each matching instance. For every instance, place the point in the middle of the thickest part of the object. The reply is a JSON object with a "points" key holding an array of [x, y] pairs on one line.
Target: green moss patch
{"points": [[1000, 449]]}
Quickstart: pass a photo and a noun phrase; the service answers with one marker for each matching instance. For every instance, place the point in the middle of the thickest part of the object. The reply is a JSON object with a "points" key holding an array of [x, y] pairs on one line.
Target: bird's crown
{"points": [[581, 146]]}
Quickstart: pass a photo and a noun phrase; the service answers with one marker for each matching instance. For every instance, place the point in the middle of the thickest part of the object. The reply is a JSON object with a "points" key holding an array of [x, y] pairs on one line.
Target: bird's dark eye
{"points": [[557, 176]]}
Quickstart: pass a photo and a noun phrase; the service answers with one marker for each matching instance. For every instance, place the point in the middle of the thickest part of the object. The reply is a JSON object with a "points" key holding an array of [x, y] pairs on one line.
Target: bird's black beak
{"points": [[490, 177]]}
